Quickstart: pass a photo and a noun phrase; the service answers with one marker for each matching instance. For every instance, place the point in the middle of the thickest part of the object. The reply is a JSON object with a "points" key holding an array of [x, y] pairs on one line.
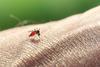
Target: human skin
{"points": [[70, 42]]}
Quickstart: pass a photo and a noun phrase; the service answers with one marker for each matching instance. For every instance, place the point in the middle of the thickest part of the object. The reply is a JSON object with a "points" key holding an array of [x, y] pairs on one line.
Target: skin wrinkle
{"points": [[65, 43], [75, 49]]}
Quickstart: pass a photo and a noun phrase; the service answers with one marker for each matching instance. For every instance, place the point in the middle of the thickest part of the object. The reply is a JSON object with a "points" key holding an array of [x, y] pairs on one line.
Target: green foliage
{"points": [[22, 12]]}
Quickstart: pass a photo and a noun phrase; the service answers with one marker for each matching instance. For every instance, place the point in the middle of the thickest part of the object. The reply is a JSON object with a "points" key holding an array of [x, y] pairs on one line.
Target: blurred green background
{"points": [[22, 12]]}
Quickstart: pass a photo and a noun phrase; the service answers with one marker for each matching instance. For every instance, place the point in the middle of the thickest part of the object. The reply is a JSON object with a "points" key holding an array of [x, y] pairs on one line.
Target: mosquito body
{"points": [[35, 32]]}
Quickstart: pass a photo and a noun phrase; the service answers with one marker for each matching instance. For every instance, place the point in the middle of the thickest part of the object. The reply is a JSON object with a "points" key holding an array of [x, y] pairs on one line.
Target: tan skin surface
{"points": [[64, 43]]}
